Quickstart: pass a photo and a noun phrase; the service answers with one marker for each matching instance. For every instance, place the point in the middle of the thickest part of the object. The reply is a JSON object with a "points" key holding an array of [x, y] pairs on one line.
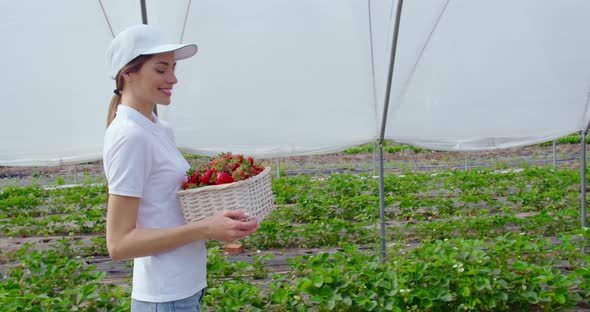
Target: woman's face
{"points": [[154, 81]]}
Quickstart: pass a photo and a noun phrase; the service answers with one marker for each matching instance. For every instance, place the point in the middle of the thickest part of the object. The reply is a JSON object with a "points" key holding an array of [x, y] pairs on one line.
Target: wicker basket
{"points": [[253, 195]]}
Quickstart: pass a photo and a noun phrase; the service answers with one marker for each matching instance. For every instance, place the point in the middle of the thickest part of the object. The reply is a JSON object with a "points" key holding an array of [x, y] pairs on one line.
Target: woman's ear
{"points": [[127, 76]]}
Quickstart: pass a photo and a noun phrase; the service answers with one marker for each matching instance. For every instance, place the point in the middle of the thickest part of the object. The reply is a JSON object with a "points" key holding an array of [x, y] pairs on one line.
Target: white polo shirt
{"points": [[141, 160]]}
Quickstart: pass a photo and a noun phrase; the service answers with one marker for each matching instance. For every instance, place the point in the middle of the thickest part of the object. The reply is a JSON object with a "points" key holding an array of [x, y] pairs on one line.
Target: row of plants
{"points": [[338, 207], [35, 210], [57, 279], [506, 273], [570, 139], [392, 147], [388, 147]]}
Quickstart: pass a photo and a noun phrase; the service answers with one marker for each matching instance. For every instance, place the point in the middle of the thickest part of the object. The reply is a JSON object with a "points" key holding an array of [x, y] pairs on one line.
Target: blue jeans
{"points": [[190, 304]]}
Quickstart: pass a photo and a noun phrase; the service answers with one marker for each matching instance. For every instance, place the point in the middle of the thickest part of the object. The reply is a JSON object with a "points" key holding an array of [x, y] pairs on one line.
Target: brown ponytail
{"points": [[133, 66]]}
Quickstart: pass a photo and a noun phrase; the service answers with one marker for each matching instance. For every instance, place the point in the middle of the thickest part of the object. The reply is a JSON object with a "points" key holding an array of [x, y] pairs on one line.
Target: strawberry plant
{"points": [[52, 280]]}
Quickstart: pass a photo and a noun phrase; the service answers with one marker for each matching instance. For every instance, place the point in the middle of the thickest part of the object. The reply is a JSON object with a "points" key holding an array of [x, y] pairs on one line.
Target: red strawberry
{"points": [[219, 164], [226, 156], [223, 177], [194, 179], [239, 174], [185, 186], [206, 177], [251, 160], [246, 168]]}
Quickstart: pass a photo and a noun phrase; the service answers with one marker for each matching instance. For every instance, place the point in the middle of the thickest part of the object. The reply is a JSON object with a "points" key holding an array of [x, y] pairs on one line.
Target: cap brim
{"points": [[181, 51]]}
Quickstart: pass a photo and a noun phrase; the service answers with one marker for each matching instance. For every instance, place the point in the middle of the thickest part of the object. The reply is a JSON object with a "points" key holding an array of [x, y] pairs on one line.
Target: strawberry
{"points": [[188, 185], [246, 168], [206, 177], [223, 177], [190, 172], [220, 164], [256, 171], [239, 174], [226, 156], [194, 178]]}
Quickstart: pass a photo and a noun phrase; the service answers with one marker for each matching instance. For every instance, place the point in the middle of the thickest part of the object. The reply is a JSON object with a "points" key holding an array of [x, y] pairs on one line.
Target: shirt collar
{"points": [[139, 118]]}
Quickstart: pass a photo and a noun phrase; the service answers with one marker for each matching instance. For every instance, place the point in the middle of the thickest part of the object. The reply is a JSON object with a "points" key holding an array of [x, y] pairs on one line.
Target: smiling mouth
{"points": [[168, 92]]}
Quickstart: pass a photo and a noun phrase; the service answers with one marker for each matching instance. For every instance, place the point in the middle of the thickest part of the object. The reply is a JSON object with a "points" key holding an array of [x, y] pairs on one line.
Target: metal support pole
{"points": [[75, 174], [382, 201], [278, 167], [554, 155], [465, 162], [391, 67], [384, 123], [143, 12], [375, 146], [583, 189]]}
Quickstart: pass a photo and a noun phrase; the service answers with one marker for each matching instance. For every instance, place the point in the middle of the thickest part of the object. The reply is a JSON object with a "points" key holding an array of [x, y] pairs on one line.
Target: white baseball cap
{"points": [[142, 40]]}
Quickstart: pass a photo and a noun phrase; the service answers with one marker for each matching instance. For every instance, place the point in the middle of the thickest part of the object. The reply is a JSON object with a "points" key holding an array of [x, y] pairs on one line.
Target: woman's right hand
{"points": [[227, 226]]}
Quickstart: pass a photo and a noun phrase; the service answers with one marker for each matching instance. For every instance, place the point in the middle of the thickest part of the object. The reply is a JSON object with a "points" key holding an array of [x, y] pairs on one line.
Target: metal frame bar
{"points": [[144, 19], [375, 146], [584, 184], [382, 201], [554, 154], [465, 161], [384, 123]]}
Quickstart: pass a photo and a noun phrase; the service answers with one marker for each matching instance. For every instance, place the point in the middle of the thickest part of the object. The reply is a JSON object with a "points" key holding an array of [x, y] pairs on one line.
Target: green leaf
{"points": [[330, 304], [447, 297], [502, 296], [347, 301], [318, 282], [560, 298], [465, 292]]}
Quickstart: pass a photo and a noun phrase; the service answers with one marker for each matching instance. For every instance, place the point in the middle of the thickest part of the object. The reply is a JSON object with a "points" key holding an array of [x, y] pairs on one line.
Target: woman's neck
{"points": [[144, 108]]}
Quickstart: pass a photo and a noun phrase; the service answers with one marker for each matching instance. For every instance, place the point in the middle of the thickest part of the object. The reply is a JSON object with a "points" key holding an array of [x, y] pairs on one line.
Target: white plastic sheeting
{"points": [[55, 90], [293, 77], [490, 74], [271, 78]]}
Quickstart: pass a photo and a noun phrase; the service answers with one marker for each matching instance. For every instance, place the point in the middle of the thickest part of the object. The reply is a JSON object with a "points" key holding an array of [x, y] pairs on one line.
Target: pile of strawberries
{"points": [[226, 168]]}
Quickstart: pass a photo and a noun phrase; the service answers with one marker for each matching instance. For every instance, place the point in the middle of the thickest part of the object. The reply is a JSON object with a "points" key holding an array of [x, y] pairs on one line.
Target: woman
{"points": [[144, 169]]}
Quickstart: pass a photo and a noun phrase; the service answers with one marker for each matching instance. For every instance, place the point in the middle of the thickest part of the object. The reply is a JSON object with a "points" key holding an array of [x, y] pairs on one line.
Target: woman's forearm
{"points": [[140, 242], [125, 240]]}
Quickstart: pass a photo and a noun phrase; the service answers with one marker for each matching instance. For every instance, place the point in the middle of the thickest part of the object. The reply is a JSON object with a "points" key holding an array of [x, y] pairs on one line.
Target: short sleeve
{"points": [[127, 163]]}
